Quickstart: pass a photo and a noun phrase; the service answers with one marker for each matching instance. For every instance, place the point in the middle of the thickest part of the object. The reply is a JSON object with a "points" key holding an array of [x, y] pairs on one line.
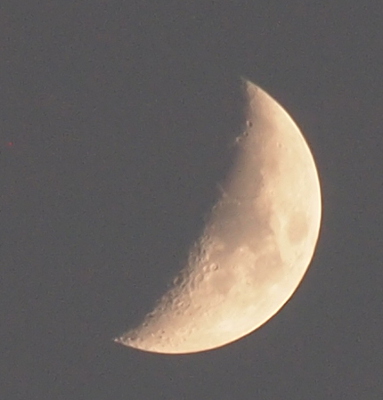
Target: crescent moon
{"points": [[256, 246]]}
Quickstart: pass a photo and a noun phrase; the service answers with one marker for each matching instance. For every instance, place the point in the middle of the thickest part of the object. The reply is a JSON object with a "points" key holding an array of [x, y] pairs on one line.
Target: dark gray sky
{"points": [[115, 123]]}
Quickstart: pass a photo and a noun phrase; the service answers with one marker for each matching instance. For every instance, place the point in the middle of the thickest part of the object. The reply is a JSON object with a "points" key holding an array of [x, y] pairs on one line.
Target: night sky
{"points": [[116, 124]]}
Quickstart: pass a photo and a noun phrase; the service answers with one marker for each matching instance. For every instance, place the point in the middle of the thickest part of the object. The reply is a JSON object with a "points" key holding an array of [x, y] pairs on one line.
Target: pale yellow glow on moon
{"points": [[256, 246]]}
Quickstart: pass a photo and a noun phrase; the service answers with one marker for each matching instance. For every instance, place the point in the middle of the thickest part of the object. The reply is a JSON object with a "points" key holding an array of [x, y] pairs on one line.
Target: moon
{"points": [[256, 246]]}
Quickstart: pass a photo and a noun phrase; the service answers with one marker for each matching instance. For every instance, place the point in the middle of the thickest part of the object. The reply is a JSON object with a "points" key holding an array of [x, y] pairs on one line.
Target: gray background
{"points": [[115, 122]]}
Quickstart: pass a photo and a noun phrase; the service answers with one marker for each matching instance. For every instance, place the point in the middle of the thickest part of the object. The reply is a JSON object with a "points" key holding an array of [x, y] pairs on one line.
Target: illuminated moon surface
{"points": [[256, 246]]}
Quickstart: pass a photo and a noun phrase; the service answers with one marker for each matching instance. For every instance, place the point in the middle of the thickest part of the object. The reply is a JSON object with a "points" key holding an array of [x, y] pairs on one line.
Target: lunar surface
{"points": [[256, 245]]}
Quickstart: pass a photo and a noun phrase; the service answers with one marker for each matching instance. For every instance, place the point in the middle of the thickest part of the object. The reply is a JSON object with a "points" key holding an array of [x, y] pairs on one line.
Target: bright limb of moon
{"points": [[256, 245]]}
